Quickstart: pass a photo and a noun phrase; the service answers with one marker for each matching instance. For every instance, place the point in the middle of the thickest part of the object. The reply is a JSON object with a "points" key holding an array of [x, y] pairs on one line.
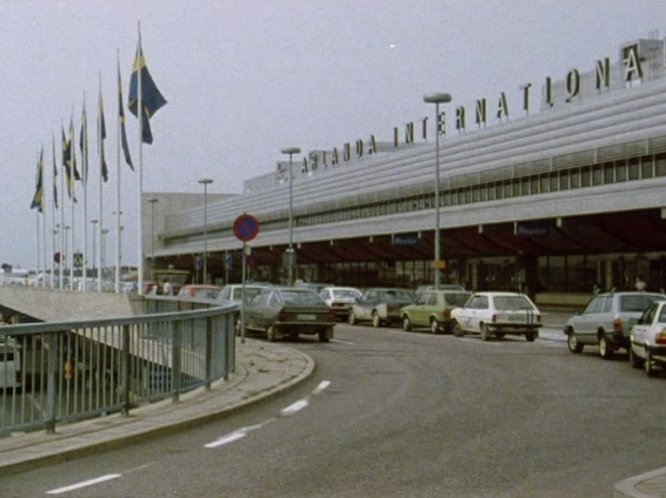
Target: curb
{"points": [[629, 486]]}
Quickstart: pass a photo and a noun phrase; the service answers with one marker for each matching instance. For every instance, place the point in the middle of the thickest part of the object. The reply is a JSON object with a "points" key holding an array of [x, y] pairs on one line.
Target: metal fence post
{"points": [[176, 351], [209, 352], [51, 413], [125, 371]]}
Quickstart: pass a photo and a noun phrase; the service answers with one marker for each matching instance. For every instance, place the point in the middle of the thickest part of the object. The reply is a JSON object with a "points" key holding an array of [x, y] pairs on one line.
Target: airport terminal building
{"points": [[557, 198]]}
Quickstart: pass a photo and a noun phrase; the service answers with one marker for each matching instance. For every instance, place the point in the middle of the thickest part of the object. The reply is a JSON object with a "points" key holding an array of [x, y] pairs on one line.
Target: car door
{"points": [[468, 315], [587, 324], [640, 331], [419, 310], [364, 306]]}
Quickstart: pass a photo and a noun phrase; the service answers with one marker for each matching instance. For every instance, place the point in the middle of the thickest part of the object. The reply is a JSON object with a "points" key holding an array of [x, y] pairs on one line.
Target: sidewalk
{"points": [[262, 370]]}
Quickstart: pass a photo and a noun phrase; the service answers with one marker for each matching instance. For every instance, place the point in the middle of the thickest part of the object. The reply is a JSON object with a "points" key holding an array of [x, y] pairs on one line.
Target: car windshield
{"points": [[344, 293], [505, 303], [301, 297], [637, 302], [457, 299], [397, 294]]}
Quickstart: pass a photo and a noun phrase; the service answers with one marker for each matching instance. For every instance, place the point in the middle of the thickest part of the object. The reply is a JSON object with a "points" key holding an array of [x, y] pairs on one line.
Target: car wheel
{"points": [[270, 333], [376, 321], [648, 363], [352, 318], [326, 335], [485, 333], [434, 326], [457, 330], [573, 344], [605, 349], [499, 335], [406, 324], [530, 336], [635, 360]]}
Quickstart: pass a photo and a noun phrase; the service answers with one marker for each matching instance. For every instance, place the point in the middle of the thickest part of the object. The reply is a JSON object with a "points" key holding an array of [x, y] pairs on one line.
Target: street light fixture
{"points": [[290, 250], [437, 98], [205, 182]]}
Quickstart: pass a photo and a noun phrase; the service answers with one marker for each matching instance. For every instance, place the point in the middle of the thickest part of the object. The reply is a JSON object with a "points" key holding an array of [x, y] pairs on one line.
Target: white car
{"points": [[497, 314], [340, 299], [647, 346]]}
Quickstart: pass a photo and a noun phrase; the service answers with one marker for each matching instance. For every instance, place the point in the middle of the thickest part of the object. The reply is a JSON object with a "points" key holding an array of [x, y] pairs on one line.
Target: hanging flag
{"points": [[55, 175], [101, 135], [83, 144], [67, 165], [72, 150], [121, 117], [38, 198], [151, 98]]}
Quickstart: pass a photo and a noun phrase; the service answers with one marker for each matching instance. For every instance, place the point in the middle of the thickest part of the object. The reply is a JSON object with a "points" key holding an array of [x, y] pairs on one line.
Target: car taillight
{"points": [[282, 316], [661, 337], [331, 315], [447, 313], [494, 317], [618, 325]]}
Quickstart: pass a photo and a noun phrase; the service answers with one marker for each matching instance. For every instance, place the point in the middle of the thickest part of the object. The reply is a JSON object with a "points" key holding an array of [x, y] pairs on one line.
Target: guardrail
{"points": [[62, 372]]}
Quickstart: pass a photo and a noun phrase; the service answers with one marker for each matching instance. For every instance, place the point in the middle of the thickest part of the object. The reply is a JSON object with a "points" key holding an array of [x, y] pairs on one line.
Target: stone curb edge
{"points": [[627, 487]]}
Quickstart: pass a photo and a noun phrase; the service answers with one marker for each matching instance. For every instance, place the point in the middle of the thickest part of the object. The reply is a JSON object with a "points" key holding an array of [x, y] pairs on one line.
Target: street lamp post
{"points": [[94, 224], [152, 201], [437, 98], [71, 276], [290, 250], [205, 182]]}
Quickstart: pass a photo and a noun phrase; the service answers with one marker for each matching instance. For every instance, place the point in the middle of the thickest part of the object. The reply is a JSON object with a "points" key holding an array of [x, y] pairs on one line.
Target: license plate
{"points": [[306, 318], [515, 319]]}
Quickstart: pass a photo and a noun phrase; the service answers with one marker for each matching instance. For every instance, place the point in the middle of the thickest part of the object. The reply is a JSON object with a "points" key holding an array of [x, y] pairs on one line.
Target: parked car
{"points": [[199, 291], [607, 320], [340, 299], [232, 292], [498, 314], [380, 305], [433, 309], [290, 311], [647, 340]]}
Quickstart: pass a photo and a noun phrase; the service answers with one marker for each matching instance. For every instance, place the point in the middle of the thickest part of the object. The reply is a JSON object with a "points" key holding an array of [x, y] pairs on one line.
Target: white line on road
{"points": [[294, 407], [234, 436], [83, 484], [343, 342], [322, 385]]}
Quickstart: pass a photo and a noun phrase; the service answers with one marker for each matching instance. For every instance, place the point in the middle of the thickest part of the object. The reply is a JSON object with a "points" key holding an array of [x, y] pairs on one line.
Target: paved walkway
{"points": [[262, 369]]}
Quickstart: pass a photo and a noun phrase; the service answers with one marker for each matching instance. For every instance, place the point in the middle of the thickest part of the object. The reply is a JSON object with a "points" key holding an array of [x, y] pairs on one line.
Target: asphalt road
{"points": [[392, 414]]}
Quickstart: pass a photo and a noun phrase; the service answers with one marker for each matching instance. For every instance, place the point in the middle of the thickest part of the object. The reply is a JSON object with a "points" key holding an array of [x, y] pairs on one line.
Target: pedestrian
{"points": [[639, 284]]}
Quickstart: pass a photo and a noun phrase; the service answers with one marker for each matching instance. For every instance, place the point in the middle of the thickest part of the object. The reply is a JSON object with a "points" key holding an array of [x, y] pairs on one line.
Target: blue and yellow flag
{"points": [[83, 144], [72, 151], [55, 175], [151, 98], [67, 165], [101, 127], [38, 198], [121, 118]]}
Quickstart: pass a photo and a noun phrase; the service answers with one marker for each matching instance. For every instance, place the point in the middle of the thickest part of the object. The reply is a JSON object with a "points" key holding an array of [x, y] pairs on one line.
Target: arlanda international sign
{"points": [[630, 68]]}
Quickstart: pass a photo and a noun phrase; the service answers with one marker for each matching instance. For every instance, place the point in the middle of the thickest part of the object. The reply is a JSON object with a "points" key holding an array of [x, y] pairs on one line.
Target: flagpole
{"points": [[44, 203], [39, 249], [84, 180], [62, 258], [72, 149], [140, 194], [100, 149], [118, 240], [53, 213]]}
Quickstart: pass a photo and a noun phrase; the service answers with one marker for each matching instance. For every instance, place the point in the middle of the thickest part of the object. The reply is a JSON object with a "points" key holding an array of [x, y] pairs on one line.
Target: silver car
{"points": [[607, 321]]}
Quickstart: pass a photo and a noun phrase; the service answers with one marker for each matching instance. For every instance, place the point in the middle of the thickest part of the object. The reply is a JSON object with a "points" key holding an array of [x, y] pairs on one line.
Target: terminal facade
{"points": [[558, 199]]}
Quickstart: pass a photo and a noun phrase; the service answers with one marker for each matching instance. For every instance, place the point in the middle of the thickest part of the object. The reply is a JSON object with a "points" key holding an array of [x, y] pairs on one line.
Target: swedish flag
{"points": [[67, 165], [151, 98], [121, 117], [38, 198], [101, 125]]}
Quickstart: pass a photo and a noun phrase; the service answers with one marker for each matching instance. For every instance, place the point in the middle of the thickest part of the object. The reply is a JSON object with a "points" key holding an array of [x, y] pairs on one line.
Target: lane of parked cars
{"points": [[632, 321]]}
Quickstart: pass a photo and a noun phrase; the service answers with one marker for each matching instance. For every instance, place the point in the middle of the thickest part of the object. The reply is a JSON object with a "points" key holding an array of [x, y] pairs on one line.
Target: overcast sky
{"points": [[245, 78]]}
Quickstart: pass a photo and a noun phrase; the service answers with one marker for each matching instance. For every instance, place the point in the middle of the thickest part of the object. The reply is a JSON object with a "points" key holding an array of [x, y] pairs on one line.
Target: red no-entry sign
{"points": [[246, 227]]}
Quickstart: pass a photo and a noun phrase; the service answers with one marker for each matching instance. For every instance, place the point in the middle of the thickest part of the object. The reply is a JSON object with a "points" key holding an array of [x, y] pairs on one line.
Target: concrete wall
{"points": [[64, 305]]}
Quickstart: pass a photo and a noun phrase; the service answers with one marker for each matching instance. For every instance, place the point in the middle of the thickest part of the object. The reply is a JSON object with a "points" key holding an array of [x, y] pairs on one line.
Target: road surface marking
{"points": [[294, 407], [83, 484], [343, 342], [322, 385], [234, 436]]}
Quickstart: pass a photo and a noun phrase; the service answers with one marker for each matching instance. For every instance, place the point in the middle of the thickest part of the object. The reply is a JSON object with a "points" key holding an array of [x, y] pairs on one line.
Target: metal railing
{"points": [[62, 372]]}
